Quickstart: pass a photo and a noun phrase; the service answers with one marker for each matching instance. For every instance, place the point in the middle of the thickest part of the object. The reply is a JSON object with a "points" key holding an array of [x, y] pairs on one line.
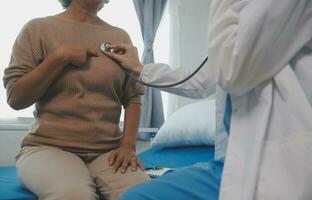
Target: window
{"points": [[14, 14]]}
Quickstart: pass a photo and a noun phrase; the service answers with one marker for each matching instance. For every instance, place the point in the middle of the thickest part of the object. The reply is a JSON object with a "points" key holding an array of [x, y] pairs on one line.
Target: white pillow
{"points": [[191, 125]]}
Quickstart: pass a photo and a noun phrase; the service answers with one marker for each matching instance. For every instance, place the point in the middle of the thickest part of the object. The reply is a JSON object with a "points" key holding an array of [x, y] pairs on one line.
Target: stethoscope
{"points": [[105, 47]]}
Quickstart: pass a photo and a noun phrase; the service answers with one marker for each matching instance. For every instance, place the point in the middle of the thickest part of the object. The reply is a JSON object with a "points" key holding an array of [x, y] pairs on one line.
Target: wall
{"points": [[12, 132]]}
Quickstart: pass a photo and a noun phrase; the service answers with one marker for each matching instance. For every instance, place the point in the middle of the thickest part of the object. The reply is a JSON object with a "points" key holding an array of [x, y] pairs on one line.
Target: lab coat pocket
{"points": [[285, 172]]}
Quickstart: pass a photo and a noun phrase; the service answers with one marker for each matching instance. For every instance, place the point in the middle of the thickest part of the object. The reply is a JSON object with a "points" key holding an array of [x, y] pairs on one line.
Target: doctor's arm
{"points": [[250, 41], [199, 86]]}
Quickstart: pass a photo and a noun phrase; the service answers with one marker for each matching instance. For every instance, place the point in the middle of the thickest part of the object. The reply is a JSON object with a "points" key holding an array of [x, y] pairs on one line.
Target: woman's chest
{"points": [[98, 74]]}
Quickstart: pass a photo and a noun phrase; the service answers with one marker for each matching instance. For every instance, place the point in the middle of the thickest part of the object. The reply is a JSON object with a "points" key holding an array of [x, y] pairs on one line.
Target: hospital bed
{"points": [[10, 188]]}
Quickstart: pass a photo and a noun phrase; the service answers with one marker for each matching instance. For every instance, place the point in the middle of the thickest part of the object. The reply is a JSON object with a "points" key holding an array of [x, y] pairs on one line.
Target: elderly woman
{"points": [[75, 149]]}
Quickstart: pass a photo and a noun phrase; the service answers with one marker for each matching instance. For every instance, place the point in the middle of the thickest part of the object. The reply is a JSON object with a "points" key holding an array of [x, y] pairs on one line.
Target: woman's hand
{"points": [[75, 54], [38, 80], [123, 157], [127, 56]]}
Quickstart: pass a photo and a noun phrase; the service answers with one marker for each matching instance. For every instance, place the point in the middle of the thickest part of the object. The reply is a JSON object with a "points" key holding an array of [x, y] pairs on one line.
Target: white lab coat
{"points": [[260, 51]]}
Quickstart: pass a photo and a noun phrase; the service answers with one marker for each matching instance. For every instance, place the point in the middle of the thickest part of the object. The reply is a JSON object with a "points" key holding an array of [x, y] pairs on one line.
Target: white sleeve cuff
{"points": [[145, 74]]}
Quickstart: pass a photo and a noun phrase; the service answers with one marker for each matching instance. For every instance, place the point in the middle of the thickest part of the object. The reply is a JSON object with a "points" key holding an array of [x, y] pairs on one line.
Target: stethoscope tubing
{"points": [[105, 48], [167, 85]]}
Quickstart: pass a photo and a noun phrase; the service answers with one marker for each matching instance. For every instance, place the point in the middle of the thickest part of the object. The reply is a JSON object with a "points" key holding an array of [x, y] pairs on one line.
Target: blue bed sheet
{"points": [[176, 157], [10, 188]]}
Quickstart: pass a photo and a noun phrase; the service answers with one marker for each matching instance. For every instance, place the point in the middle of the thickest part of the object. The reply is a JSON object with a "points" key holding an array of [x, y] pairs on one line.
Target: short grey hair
{"points": [[65, 3]]}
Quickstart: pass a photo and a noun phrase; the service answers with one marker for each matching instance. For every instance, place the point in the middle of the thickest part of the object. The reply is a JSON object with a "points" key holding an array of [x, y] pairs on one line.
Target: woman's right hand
{"points": [[75, 54], [43, 75]]}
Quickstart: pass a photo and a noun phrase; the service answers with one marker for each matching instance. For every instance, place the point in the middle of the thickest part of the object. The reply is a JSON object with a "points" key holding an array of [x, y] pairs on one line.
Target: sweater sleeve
{"points": [[132, 91], [26, 54]]}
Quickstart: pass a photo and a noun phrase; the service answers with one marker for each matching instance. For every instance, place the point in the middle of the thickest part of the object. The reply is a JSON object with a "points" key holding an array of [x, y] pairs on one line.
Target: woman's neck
{"points": [[82, 13]]}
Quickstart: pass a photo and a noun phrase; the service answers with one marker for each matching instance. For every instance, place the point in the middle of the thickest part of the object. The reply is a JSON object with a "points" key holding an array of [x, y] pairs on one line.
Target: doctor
{"points": [[260, 53]]}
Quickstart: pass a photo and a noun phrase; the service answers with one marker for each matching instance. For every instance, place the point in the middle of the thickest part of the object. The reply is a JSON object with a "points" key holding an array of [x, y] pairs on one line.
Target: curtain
{"points": [[149, 13]]}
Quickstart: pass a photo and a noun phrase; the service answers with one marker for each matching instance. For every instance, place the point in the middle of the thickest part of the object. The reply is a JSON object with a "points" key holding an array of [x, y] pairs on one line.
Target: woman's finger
{"points": [[140, 165], [125, 165], [134, 165], [91, 53], [117, 164], [112, 157]]}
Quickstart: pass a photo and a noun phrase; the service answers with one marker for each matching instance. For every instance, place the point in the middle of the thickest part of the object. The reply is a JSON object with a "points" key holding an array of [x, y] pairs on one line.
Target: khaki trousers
{"points": [[54, 174]]}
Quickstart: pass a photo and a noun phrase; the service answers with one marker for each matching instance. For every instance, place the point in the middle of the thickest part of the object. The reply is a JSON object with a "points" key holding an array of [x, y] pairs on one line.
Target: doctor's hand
{"points": [[75, 54], [127, 56], [124, 157]]}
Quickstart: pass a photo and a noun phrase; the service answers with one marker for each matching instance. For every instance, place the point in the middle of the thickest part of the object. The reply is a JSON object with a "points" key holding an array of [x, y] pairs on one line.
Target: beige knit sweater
{"points": [[81, 109]]}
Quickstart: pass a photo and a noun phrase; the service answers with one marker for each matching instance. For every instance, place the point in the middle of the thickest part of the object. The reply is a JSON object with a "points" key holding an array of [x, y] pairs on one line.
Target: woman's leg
{"points": [[111, 185], [51, 173], [199, 182]]}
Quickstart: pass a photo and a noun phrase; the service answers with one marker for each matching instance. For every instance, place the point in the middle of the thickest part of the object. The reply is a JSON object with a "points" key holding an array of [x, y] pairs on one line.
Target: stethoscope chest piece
{"points": [[105, 47]]}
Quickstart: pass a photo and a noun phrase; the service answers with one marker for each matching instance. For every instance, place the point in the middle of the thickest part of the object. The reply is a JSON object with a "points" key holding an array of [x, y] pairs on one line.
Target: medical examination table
{"points": [[10, 188]]}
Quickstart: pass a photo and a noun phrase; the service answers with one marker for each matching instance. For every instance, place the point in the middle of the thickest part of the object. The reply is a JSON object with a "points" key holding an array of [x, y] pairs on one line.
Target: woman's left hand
{"points": [[123, 157]]}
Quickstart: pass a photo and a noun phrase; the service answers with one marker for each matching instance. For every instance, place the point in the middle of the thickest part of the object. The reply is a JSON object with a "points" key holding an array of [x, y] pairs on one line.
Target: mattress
{"points": [[10, 188]]}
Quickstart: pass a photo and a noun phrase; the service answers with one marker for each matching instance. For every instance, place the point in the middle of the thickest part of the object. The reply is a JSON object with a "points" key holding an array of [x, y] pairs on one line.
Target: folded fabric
{"points": [[191, 125]]}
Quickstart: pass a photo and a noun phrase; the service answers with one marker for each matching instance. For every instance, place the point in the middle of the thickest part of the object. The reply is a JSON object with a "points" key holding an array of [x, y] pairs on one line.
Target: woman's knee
{"points": [[74, 191]]}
